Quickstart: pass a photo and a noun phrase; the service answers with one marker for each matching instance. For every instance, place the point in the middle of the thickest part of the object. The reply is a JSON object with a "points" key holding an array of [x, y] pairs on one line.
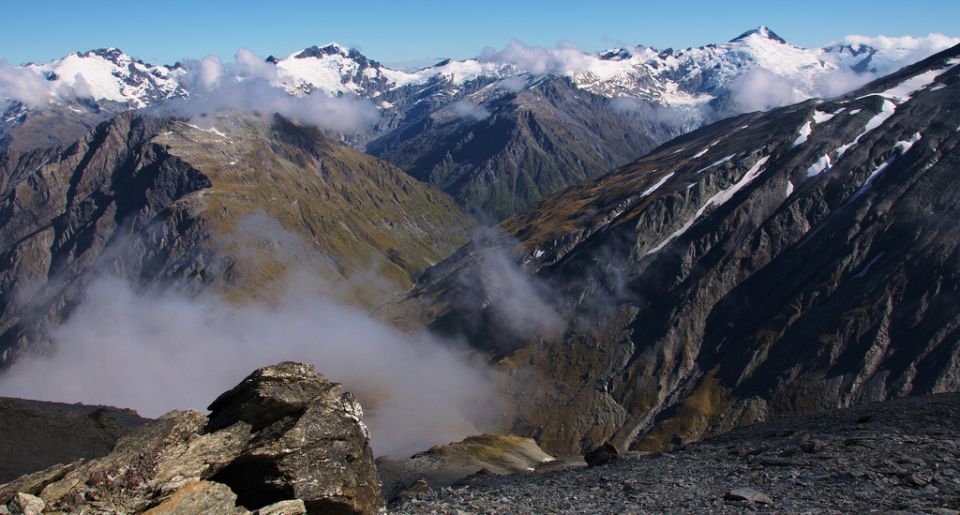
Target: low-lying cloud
{"points": [[251, 84], [759, 89], [157, 351], [900, 51], [469, 110], [23, 85], [565, 58], [517, 300]]}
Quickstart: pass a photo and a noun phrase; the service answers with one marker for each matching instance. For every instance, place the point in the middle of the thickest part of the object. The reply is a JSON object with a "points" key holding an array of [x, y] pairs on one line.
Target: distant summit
{"points": [[761, 31]]}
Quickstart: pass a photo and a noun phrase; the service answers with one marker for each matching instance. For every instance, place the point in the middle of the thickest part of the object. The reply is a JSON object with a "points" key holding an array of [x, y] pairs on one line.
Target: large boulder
{"points": [[284, 434], [310, 442]]}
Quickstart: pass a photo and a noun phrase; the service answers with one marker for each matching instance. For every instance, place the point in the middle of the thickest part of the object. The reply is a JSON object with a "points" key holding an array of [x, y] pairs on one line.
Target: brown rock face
{"points": [[310, 443], [284, 433]]}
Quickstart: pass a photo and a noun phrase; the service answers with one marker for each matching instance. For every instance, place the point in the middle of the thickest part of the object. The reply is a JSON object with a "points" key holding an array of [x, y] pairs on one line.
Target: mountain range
{"points": [[686, 241], [794, 260], [491, 131]]}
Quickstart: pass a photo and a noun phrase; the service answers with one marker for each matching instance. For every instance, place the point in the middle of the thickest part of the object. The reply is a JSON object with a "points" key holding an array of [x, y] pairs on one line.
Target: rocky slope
{"points": [[237, 208], [285, 440], [899, 456], [790, 261], [521, 145]]}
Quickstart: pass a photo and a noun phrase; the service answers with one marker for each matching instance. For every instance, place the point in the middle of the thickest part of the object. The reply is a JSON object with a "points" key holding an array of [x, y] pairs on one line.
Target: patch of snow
{"points": [[821, 117], [938, 87], [704, 151], [716, 163], [656, 185], [905, 90], [904, 146], [691, 185], [886, 111], [855, 111], [789, 188], [717, 200], [823, 164], [805, 130], [211, 130]]}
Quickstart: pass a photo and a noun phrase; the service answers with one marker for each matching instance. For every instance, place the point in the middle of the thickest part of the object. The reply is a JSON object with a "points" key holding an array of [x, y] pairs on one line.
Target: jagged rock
{"points": [[418, 488], [152, 462], [292, 507], [34, 483], [284, 433], [446, 465], [26, 504], [602, 455], [200, 497], [268, 395], [748, 494], [311, 443]]}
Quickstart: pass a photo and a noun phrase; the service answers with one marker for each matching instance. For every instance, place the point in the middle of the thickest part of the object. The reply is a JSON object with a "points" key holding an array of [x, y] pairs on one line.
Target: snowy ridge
{"points": [[111, 75], [684, 79]]}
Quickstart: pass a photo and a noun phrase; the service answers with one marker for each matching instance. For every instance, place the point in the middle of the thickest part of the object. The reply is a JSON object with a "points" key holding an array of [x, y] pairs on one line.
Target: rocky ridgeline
{"points": [[901, 456], [283, 441]]}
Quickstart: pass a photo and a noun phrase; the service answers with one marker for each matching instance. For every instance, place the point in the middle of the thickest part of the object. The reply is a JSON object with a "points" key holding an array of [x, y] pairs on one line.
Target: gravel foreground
{"points": [[901, 456]]}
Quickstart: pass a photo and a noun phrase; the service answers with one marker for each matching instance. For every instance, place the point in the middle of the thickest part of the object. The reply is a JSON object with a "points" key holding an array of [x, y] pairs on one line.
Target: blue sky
{"points": [[397, 32]]}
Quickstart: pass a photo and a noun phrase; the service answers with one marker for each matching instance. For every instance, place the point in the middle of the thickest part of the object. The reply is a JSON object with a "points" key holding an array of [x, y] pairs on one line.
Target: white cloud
{"points": [[513, 84], [208, 72], [565, 58], [250, 85], [758, 89], [470, 111], [23, 85], [156, 352], [899, 51]]}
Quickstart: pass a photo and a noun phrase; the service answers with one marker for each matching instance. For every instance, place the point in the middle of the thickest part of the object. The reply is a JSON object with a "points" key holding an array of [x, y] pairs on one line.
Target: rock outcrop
{"points": [[284, 434], [445, 465]]}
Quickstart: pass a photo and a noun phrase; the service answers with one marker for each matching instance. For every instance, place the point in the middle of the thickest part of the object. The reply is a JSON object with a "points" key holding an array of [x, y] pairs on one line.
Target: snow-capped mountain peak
{"points": [[109, 74], [761, 32]]}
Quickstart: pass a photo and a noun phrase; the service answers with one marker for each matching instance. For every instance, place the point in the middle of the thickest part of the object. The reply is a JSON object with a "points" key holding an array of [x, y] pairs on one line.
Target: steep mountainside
{"points": [[800, 259], [521, 145], [240, 207]]}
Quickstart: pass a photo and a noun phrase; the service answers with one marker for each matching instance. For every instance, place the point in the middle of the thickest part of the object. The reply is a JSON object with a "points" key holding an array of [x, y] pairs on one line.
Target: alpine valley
{"points": [[667, 258]]}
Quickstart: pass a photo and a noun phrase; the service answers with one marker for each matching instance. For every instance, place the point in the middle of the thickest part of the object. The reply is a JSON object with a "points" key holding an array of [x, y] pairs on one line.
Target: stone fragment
{"points": [[747, 494], [200, 498], [291, 507], [26, 504]]}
